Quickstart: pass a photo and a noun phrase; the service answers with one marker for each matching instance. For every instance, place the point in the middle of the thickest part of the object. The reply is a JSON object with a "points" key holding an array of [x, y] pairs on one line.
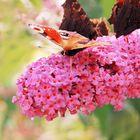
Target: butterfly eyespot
{"points": [[64, 34], [38, 29]]}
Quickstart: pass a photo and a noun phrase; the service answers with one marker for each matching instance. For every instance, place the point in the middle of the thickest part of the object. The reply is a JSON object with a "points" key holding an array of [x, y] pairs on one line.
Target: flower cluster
{"points": [[94, 77]]}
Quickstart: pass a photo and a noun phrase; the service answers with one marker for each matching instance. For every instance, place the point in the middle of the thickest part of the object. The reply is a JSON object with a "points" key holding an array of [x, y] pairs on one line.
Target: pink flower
{"points": [[98, 76]]}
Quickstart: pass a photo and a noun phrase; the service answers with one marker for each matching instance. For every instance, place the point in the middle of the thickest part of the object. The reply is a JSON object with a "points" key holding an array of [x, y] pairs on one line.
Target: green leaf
{"points": [[136, 104], [103, 114], [92, 7], [36, 3], [107, 7]]}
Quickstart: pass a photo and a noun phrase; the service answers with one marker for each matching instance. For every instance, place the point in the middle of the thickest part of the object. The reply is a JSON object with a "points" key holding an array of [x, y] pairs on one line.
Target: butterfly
{"points": [[76, 31]]}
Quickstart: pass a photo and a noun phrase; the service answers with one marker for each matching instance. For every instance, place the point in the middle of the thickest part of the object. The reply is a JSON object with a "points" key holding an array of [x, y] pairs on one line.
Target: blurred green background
{"points": [[18, 48]]}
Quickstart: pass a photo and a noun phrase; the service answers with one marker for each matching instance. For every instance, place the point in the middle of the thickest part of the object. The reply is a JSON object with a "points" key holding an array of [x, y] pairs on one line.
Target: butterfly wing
{"points": [[76, 19], [125, 16]]}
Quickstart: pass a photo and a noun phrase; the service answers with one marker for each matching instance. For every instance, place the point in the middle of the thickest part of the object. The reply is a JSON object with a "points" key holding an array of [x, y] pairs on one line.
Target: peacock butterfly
{"points": [[76, 29]]}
